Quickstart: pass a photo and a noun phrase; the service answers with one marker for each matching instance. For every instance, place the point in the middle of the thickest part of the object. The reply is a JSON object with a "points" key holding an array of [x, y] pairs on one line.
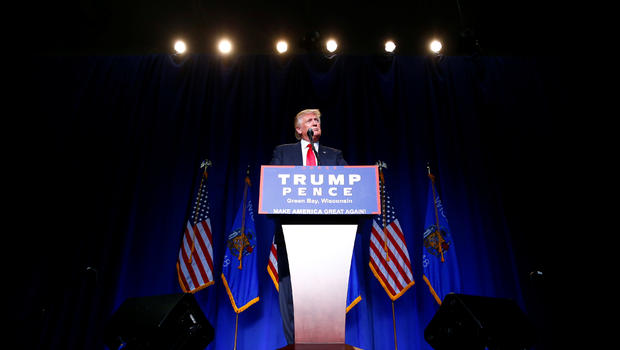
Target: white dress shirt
{"points": [[304, 149]]}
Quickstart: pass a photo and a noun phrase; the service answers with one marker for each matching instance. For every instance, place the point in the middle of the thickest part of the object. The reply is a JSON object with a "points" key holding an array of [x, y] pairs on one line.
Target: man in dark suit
{"points": [[296, 153], [299, 153]]}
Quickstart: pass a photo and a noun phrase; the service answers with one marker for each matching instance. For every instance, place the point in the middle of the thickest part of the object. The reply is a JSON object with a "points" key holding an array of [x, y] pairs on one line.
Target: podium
{"points": [[319, 209]]}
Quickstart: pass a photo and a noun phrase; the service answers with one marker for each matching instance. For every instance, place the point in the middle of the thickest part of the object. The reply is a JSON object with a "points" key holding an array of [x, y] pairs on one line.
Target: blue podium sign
{"points": [[321, 190]]}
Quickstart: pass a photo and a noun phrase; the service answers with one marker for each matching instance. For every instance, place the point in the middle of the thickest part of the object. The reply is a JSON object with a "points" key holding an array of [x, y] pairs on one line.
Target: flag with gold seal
{"points": [[439, 260], [239, 273]]}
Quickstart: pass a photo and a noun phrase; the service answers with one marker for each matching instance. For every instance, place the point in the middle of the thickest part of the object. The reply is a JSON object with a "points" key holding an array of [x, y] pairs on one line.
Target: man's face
{"points": [[309, 121]]}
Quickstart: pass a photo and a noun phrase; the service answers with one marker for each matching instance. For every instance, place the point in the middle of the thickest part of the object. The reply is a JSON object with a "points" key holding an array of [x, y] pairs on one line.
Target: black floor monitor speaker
{"points": [[468, 322], [163, 322]]}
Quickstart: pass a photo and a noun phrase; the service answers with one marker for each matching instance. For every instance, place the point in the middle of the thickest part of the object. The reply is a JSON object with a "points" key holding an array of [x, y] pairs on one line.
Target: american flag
{"points": [[195, 261], [389, 258], [272, 265]]}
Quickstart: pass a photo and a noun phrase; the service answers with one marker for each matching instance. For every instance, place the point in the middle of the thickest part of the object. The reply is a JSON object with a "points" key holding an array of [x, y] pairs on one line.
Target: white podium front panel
{"points": [[319, 261]]}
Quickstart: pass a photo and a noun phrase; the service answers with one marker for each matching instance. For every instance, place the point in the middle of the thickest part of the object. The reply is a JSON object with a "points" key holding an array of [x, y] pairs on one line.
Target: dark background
{"points": [[545, 172], [140, 27]]}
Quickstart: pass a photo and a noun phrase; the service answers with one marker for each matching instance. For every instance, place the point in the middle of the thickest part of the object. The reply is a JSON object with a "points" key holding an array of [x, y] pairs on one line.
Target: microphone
{"points": [[310, 134]]}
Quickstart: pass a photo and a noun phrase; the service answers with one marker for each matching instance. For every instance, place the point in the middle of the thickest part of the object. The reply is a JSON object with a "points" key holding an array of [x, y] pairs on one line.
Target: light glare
{"points": [[180, 47], [331, 45], [435, 46], [390, 46], [225, 46], [281, 46]]}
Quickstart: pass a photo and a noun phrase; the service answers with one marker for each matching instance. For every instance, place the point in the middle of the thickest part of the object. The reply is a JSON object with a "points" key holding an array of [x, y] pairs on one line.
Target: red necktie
{"points": [[310, 160]]}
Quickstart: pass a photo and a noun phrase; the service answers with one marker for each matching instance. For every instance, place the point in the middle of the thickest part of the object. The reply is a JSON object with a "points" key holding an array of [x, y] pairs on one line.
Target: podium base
{"points": [[319, 346]]}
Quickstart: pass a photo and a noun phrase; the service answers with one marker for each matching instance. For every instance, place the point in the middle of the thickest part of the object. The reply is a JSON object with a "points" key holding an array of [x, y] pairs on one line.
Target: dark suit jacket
{"points": [[291, 154]]}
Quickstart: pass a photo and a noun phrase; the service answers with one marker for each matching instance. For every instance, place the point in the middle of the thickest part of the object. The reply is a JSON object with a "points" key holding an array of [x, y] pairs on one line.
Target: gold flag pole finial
{"points": [[205, 164]]}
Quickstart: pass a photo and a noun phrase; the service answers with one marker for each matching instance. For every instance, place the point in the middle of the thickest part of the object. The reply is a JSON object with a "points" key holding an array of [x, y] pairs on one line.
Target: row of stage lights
{"points": [[225, 46]]}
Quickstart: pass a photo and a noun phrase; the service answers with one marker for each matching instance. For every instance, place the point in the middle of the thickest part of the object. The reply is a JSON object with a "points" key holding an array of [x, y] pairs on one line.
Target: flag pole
{"points": [[236, 324], [245, 196], [382, 194], [394, 322], [205, 164], [382, 165], [437, 231]]}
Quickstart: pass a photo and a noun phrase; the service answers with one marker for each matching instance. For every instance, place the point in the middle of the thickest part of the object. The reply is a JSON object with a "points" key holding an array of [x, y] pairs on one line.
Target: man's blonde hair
{"points": [[315, 112]]}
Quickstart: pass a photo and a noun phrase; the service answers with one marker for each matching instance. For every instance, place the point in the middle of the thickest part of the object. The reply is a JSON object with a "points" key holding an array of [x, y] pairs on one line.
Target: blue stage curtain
{"points": [[112, 145]]}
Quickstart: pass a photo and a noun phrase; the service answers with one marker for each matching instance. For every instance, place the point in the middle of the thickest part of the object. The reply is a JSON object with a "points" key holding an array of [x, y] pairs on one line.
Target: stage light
{"points": [[390, 46], [180, 47], [225, 46], [331, 45], [282, 46], [435, 46]]}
